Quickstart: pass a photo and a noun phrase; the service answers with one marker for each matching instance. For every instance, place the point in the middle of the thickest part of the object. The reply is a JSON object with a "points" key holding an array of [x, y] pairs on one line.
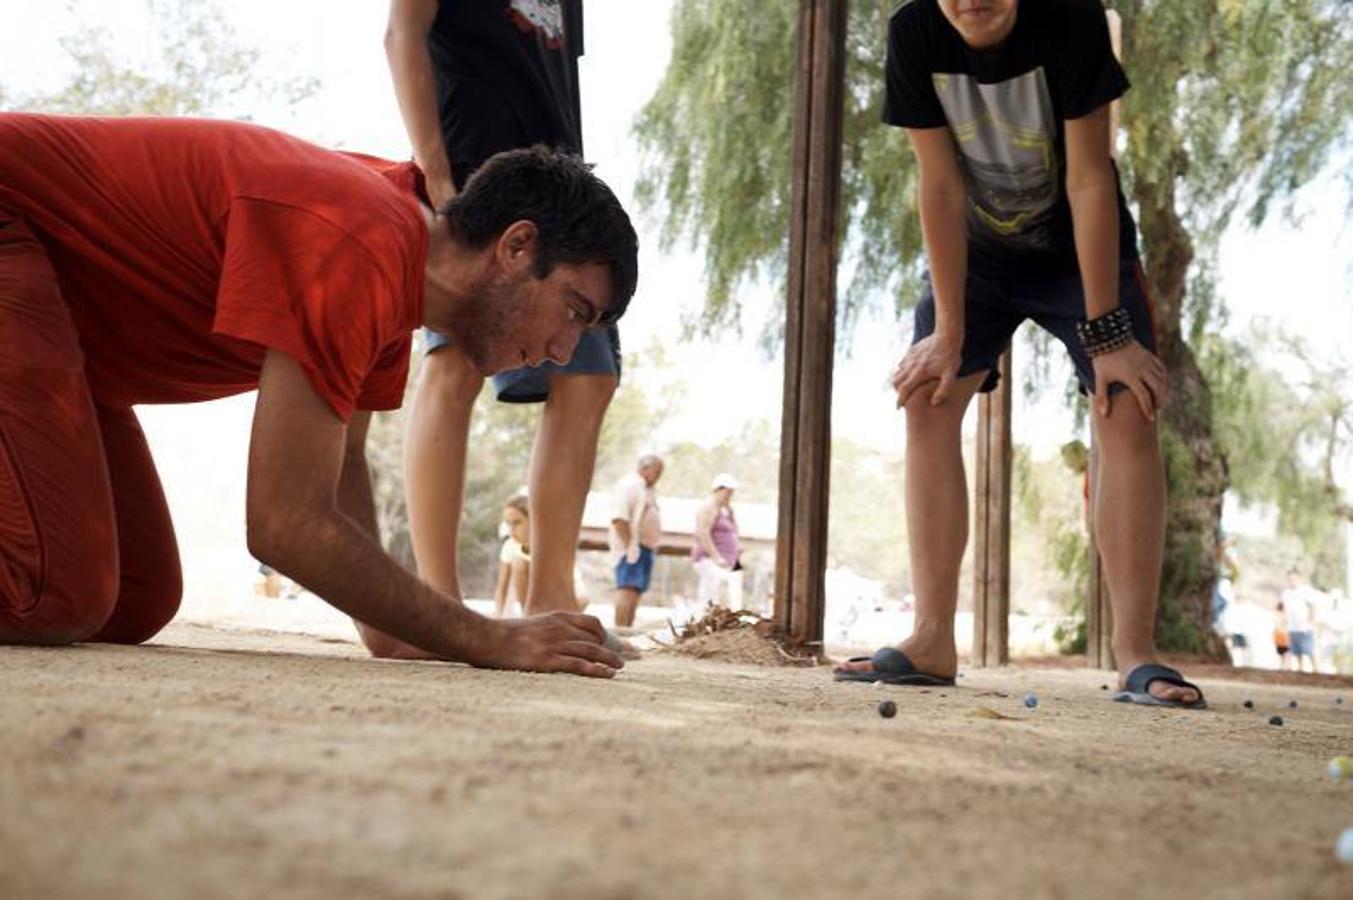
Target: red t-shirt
{"points": [[187, 247]]}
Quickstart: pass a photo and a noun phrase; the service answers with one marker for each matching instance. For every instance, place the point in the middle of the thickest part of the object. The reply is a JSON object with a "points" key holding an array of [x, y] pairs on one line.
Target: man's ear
{"points": [[516, 247]]}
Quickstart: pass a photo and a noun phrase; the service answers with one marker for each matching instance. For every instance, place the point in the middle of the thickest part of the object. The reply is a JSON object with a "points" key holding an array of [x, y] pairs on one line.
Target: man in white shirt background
{"points": [[1298, 614], [636, 527]]}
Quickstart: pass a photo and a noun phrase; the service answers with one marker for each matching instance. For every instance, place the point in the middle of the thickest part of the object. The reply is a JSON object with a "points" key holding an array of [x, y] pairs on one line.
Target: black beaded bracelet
{"points": [[1109, 332]]}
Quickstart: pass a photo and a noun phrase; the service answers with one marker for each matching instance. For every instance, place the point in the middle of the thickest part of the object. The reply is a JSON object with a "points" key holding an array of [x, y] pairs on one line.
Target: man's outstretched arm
{"points": [[297, 457]]}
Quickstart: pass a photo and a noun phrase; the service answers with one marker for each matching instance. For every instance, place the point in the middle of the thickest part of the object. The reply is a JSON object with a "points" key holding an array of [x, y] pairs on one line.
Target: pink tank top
{"points": [[725, 535]]}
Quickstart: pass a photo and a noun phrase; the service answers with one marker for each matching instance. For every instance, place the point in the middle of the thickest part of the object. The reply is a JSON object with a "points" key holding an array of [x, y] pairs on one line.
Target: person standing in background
{"points": [[473, 80], [1281, 643], [717, 550], [636, 529], [1298, 621], [1008, 110]]}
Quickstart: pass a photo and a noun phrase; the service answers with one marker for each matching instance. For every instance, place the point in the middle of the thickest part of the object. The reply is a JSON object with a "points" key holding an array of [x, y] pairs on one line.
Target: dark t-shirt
{"points": [[507, 77], [1006, 108]]}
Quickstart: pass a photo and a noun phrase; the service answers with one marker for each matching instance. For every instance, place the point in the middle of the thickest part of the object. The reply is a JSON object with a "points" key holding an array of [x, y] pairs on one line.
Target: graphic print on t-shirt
{"points": [[1006, 138], [543, 16]]}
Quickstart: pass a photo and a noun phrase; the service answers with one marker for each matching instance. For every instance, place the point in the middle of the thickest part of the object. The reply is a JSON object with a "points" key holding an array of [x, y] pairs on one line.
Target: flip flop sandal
{"points": [[1139, 684], [891, 666]]}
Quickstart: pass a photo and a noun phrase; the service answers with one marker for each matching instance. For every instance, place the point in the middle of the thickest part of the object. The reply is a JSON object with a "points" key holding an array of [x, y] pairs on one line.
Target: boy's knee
{"points": [[1125, 427], [925, 416]]}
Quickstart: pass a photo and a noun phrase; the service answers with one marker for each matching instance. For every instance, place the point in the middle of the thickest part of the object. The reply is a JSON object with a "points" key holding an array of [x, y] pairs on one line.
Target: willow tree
{"points": [[195, 65], [1236, 104], [1309, 403]]}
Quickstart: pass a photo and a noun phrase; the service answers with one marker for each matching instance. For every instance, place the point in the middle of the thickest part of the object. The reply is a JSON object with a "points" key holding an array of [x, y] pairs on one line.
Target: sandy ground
{"points": [[229, 764]]}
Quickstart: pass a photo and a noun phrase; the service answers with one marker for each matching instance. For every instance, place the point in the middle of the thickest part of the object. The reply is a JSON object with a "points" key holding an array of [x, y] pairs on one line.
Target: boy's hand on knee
{"points": [[929, 359], [1137, 369]]}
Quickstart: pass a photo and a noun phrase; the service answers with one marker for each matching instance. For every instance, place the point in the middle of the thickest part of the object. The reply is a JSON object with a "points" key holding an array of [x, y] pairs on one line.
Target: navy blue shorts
{"points": [[635, 575], [995, 306], [597, 353]]}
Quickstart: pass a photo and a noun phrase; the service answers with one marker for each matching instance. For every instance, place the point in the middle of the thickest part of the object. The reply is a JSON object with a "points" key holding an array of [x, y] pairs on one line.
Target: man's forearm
{"points": [[622, 531], [337, 555], [946, 238], [1094, 215]]}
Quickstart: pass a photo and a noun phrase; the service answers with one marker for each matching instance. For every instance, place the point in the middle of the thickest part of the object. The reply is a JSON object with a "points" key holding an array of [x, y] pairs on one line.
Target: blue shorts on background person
{"points": [[635, 575]]}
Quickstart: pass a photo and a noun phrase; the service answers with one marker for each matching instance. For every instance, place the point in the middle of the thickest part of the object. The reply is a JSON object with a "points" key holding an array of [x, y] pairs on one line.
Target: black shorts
{"points": [[994, 306]]}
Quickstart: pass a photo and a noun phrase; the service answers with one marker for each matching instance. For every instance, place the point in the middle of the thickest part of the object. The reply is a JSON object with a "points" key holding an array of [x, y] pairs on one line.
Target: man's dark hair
{"points": [[578, 219]]}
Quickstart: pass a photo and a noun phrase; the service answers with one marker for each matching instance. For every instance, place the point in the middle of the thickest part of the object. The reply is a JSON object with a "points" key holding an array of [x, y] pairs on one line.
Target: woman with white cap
{"points": [[717, 551]]}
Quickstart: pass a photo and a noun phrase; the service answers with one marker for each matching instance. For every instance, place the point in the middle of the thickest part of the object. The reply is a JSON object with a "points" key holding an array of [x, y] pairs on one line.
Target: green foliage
{"points": [[866, 527], [1050, 547], [385, 460], [198, 67], [717, 139], [690, 466], [1309, 408], [723, 83], [650, 391], [1235, 104]]}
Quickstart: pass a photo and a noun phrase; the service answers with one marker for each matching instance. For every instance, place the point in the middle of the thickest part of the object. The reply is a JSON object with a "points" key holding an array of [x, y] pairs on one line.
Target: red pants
{"points": [[87, 549]]}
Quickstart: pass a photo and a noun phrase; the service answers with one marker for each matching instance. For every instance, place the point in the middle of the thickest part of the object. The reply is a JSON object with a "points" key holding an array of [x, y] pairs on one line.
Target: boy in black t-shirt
{"points": [[1006, 104], [474, 79]]}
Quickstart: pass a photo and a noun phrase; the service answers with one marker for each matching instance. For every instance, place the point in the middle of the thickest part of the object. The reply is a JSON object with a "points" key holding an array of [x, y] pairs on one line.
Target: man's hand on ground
{"points": [[1137, 369], [930, 359], [552, 642]]}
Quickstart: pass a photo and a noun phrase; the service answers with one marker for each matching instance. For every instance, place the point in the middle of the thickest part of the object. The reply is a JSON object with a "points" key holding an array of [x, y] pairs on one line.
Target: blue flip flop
{"points": [[891, 666], [1139, 684]]}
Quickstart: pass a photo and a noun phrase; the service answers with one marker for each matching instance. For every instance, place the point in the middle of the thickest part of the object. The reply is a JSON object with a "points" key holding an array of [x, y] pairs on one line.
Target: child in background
{"points": [[514, 566], [1280, 641]]}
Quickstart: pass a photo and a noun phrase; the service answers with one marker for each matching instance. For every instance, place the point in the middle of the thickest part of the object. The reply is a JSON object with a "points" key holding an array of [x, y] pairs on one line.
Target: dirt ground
{"points": [[227, 764]]}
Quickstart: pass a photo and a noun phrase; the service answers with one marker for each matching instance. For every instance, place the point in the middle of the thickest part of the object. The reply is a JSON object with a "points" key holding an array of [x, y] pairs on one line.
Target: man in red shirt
{"points": [[172, 260]]}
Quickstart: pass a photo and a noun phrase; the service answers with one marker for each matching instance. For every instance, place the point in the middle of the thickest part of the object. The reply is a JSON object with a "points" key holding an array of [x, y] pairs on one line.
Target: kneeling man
{"points": [[174, 260]]}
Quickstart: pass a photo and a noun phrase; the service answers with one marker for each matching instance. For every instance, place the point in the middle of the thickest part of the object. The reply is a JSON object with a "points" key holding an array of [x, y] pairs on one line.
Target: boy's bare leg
{"points": [[434, 479], [937, 523], [434, 463], [1129, 511], [562, 461]]}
